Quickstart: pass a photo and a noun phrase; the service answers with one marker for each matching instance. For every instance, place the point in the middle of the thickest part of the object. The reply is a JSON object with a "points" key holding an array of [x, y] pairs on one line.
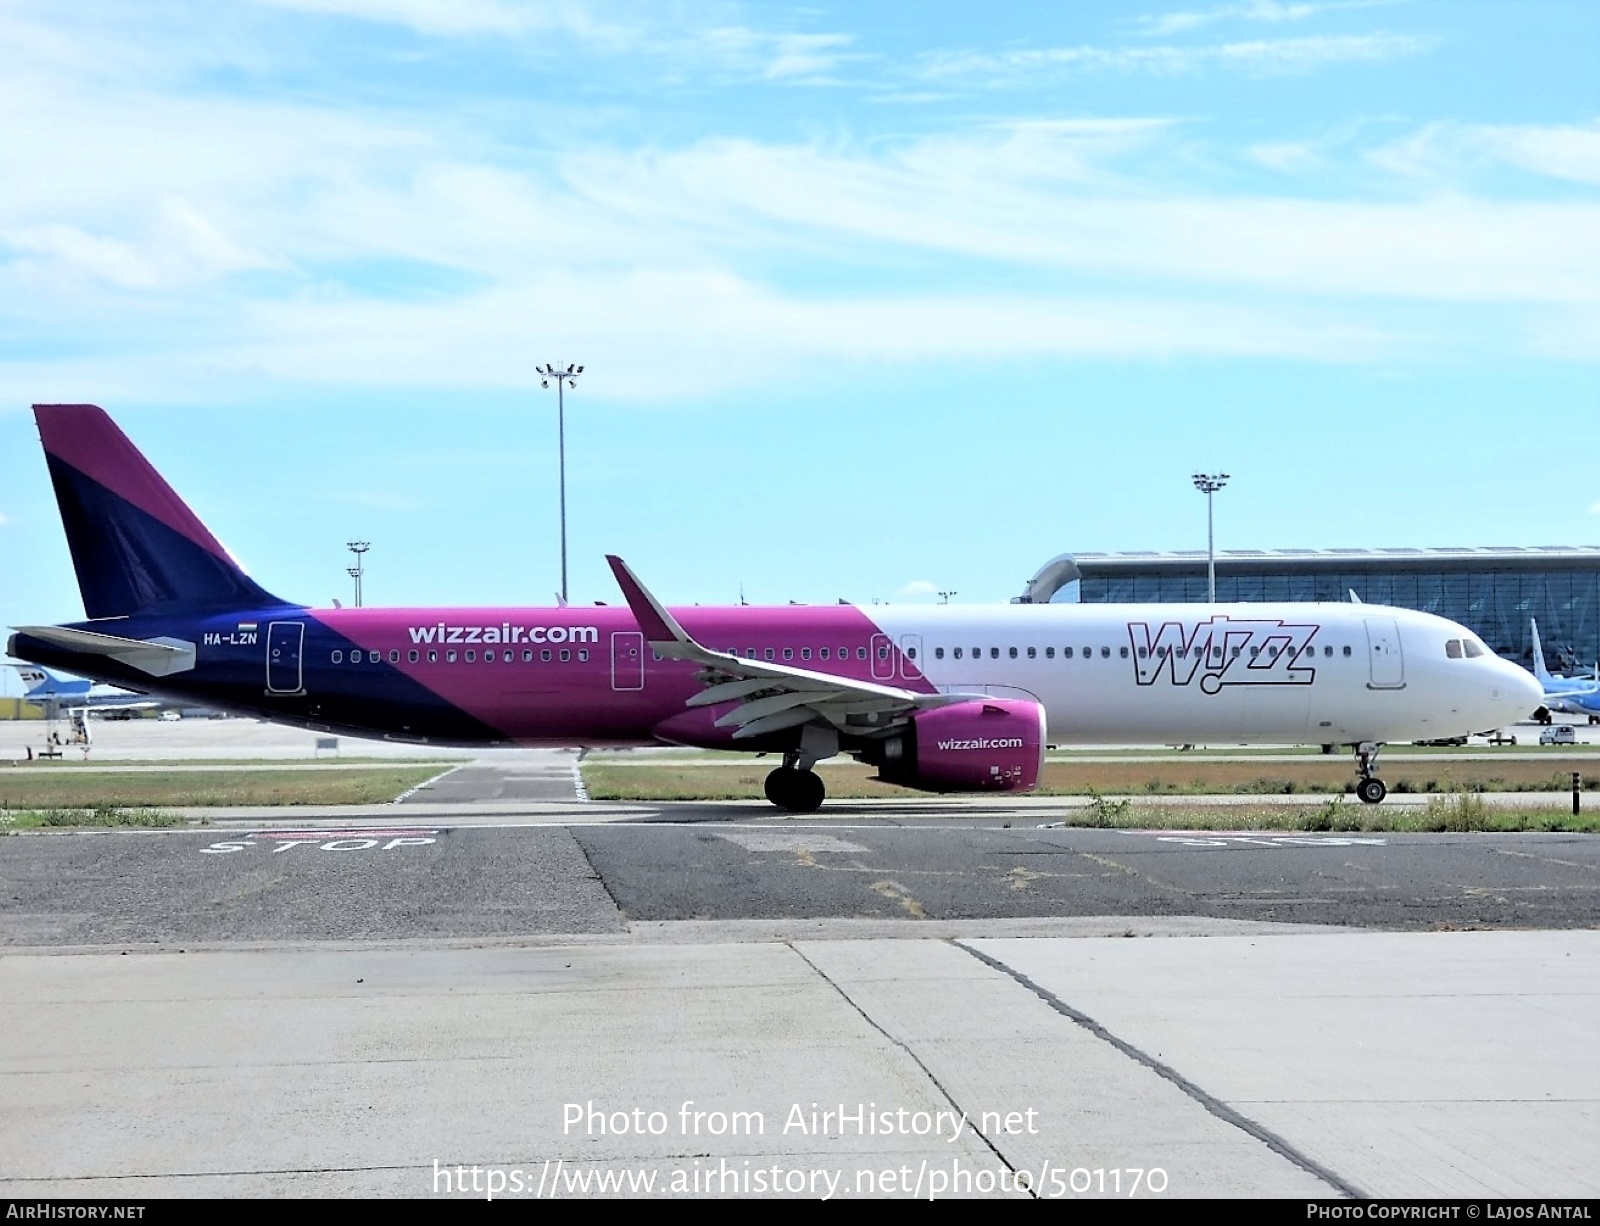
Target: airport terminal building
{"points": [[1494, 592]]}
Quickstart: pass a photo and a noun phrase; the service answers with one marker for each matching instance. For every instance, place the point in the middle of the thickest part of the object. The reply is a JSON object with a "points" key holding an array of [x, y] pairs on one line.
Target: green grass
{"points": [[51, 790], [1337, 816], [99, 816]]}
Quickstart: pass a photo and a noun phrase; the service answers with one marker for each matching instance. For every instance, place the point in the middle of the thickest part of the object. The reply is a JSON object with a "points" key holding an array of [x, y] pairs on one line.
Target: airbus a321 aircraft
{"points": [[945, 699]]}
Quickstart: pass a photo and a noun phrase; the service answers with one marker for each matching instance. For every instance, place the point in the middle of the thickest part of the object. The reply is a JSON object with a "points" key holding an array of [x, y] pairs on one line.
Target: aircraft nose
{"points": [[1519, 690]]}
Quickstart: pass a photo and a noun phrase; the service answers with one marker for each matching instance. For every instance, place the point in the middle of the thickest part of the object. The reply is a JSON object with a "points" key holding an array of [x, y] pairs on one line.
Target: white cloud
{"points": [[1562, 152], [180, 245], [1272, 11], [1262, 57], [1447, 152], [462, 17]]}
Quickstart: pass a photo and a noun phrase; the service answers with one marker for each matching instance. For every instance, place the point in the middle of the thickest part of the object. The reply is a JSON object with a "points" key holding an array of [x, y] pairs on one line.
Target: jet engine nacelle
{"points": [[986, 745]]}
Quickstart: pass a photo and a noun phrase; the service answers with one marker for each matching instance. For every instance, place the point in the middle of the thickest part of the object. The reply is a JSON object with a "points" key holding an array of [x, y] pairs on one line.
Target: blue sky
{"points": [[873, 299]]}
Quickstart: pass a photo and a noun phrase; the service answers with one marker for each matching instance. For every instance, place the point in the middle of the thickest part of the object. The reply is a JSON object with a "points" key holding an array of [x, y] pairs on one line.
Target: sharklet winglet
{"points": [[658, 625]]}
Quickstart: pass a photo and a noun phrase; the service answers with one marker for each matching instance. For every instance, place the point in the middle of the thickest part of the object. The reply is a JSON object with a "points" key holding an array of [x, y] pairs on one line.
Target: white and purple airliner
{"points": [[945, 699]]}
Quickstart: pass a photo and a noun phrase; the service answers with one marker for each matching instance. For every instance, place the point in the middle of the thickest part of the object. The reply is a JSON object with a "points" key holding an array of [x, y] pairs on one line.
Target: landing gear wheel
{"points": [[1371, 791], [796, 790]]}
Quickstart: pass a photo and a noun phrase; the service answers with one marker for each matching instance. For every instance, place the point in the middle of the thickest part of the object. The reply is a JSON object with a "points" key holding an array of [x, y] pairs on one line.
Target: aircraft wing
{"points": [[1560, 687], [773, 696]]}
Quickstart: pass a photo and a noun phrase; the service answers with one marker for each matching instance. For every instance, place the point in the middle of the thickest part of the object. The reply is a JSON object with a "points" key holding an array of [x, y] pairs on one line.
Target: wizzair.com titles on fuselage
{"points": [[505, 632]]}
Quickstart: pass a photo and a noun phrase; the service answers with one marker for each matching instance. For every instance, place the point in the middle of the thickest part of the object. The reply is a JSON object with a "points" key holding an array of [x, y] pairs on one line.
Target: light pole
{"points": [[358, 548], [1208, 484], [944, 597], [564, 379]]}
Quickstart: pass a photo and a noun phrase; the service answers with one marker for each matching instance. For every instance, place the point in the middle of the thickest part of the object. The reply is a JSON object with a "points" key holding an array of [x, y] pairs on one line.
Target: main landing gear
{"points": [[795, 789], [1370, 789]]}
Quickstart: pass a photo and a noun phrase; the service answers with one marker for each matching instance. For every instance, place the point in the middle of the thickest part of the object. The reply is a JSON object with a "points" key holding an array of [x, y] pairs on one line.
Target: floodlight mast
{"points": [[564, 378], [358, 548], [1208, 484]]}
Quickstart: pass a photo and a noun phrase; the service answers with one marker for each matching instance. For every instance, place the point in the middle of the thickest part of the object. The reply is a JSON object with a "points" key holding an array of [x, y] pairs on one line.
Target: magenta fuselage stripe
{"points": [[83, 437], [549, 700]]}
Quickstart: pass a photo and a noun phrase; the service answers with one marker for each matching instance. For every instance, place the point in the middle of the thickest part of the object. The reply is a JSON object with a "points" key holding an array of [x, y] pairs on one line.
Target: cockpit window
{"points": [[1452, 648], [1474, 649]]}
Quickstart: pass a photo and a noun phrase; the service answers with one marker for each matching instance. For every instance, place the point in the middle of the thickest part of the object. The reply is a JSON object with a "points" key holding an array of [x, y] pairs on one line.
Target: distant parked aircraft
{"points": [[1569, 695], [45, 689]]}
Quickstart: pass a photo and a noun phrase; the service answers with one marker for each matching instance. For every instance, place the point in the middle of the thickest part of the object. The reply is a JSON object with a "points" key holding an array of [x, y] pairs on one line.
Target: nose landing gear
{"points": [[1370, 789]]}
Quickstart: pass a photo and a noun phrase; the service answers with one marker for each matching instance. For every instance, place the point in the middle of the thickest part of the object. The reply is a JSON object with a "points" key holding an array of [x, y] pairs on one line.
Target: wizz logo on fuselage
{"points": [[1223, 651]]}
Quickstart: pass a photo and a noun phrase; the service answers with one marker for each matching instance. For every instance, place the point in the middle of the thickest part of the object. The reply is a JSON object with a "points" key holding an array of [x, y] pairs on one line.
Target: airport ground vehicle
{"points": [[1559, 734], [941, 698], [1502, 738]]}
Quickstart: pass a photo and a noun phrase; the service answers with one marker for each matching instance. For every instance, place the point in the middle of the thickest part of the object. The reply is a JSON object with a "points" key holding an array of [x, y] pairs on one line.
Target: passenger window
{"points": [[861, 653], [883, 653], [1216, 653], [433, 657], [749, 653], [1088, 653], [1066, 653], [911, 653], [788, 653], [394, 657], [1236, 653], [544, 655], [527, 655], [822, 653], [338, 657], [958, 653], [583, 655], [1327, 651], [769, 654], [1144, 652], [374, 657], [412, 655], [938, 653], [566, 654], [1255, 651], [1013, 652], [1033, 653], [1105, 653], [488, 657], [994, 653], [1347, 649], [1123, 652], [450, 657], [1050, 653], [805, 653]]}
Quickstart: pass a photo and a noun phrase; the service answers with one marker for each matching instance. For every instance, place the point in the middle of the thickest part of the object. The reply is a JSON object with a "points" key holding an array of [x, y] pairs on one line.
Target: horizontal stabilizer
{"points": [[157, 657]]}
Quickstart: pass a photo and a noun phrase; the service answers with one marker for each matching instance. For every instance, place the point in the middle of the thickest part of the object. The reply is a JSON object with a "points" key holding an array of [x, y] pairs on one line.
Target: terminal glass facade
{"points": [[1495, 593]]}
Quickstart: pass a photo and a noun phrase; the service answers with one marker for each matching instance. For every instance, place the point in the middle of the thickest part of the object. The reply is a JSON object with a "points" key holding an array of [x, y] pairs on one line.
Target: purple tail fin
{"points": [[136, 547]]}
